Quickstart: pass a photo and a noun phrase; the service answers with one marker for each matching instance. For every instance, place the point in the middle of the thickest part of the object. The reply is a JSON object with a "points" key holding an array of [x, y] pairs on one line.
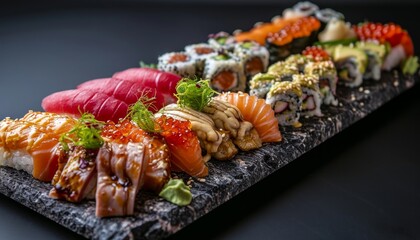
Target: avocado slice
{"points": [[343, 52], [379, 49]]}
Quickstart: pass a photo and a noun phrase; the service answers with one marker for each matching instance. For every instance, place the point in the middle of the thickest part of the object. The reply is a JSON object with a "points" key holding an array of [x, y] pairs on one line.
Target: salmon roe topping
{"points": [[302, 27], [122, 132], [317, 53], [392, 33], [175, 131]]}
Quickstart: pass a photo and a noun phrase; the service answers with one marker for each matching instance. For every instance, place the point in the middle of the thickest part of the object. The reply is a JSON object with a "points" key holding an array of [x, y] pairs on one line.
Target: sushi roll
{"points": [[311, 96], [222, 40], [283, 70], [286, 100], [301, 9], [350, 63], [375, 56], [254, 57], [327, 78], [299, 61], [225, 72], [261, 83], [199, 53], [180, 63]]}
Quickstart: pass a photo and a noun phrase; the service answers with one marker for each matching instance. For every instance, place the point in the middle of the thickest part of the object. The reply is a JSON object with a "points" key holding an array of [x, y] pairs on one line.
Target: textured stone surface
{"points": [[156, 218]]}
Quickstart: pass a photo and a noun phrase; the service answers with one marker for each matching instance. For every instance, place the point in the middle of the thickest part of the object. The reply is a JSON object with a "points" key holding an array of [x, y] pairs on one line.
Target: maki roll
{"points": [[283, 70], [199, 53], [311, 97], [299, 61], [225, 72], [375, 56], [222, 40], [285, 99], [261, 83], [351, 64], [254, 57], [180, 63], [327, 79]]}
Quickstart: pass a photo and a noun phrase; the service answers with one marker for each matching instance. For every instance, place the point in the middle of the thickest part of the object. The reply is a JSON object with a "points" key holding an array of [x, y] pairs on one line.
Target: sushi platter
{"points": [[149, 150]]}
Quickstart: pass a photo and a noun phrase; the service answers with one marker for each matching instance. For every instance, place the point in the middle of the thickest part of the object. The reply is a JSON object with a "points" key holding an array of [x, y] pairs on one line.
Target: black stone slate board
{"points": [[156, 218]]}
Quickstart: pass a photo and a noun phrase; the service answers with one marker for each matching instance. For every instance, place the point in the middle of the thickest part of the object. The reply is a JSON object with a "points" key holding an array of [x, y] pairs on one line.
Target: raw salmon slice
{"points": [[257, 112]]}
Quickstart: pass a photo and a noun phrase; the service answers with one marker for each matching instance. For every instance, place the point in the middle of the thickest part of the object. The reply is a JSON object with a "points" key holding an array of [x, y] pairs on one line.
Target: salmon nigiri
{"points": [[184, 146], [256, 111], [32, 143]]}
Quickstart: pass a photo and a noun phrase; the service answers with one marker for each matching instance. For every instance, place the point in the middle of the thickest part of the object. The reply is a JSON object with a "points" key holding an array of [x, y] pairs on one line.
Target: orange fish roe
{"points": [[175, 131], [122, 132], [389, 32], [316, 52], [184, 146], [302, 27]]}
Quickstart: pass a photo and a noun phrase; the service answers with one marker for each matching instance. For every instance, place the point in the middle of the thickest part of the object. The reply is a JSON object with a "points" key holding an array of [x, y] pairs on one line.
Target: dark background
{"points": [[362, 184]]}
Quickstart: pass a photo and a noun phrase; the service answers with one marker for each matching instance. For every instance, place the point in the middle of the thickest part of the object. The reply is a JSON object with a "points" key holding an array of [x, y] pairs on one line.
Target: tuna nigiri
{"points": [[32, 143], [257, 112], [110, 98]]}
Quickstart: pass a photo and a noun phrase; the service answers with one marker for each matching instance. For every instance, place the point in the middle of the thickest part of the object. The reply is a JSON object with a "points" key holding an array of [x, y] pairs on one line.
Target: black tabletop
{"points": [[361, 184]]}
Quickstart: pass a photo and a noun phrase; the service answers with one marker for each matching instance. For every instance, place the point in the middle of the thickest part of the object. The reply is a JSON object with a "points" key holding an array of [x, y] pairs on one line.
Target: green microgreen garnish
{"points": [[145, 65], [194, 93], [85, 133], [141, 115]]}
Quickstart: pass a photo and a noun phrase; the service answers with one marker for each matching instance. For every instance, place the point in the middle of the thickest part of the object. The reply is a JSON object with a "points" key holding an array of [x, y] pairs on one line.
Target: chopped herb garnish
{"points": [[141, 115], [86, 133], [195, 94]]}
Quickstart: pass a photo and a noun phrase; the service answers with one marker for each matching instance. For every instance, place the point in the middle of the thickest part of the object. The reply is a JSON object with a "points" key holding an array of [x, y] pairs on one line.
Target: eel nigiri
{"points": [[121, 169], [157, 154], [32, 143], [256, 111], [76, 177]]}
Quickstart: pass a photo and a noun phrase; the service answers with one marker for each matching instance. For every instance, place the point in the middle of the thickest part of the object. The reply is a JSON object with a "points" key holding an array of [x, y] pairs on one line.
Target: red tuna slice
{"points": [[101, 105], [126, 91], [159, 84]]}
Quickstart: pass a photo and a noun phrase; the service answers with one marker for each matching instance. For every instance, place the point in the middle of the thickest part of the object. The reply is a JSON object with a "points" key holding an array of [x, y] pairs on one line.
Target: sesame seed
{"points": [[367, 91]]}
